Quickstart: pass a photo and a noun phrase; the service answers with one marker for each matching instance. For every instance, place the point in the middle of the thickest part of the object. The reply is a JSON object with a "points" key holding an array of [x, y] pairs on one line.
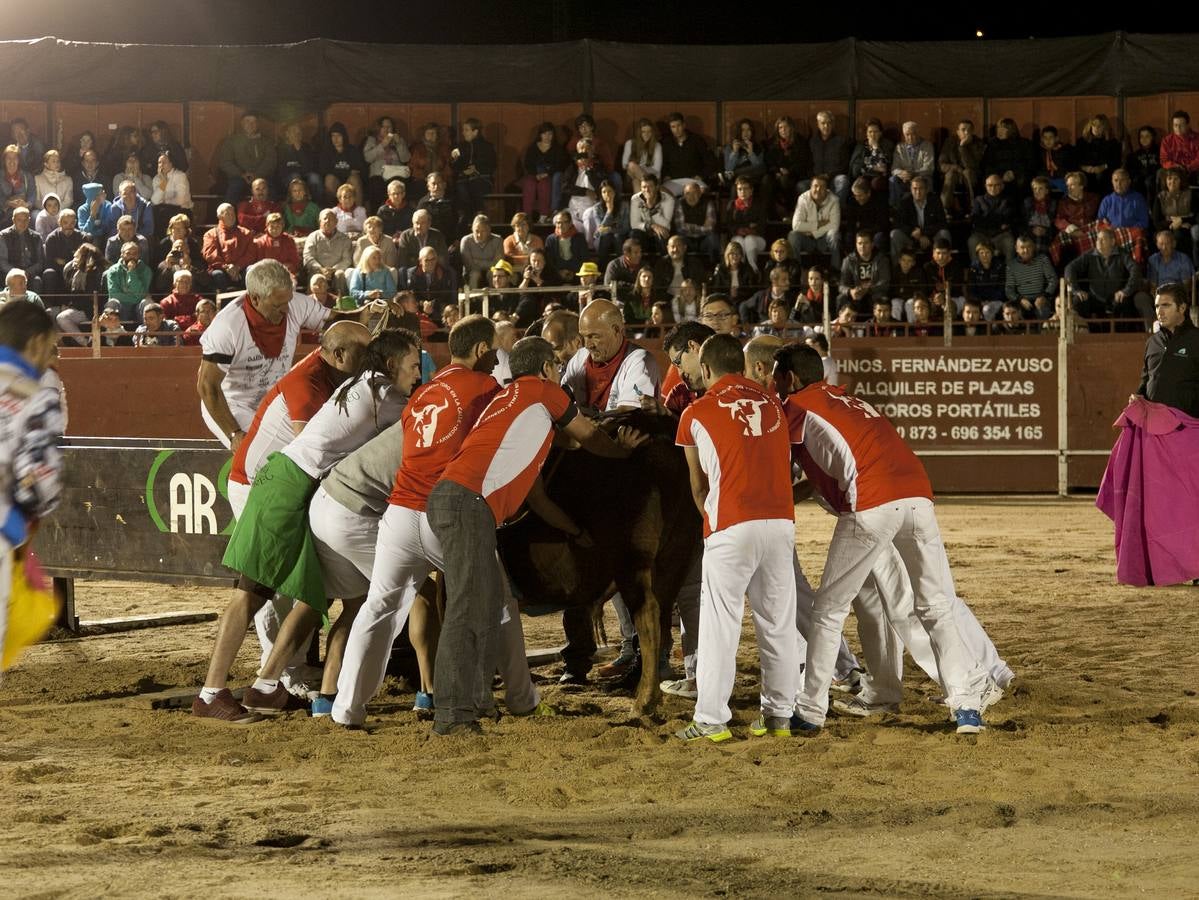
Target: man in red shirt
{"points": [[252, 214], [1180, 148], [483, 485], [879, 491], [228, 250], [737, 447], [275, 244]]}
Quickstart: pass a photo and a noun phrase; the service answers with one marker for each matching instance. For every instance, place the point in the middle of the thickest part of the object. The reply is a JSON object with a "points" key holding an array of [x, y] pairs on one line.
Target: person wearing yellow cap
{"points": [[502, 276], [589, 287]]}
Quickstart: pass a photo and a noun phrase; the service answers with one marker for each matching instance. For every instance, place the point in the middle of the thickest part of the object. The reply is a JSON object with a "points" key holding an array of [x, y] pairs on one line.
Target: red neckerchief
{"points": [[740, 205], [393, 206], [1050, 165], [784, 145], [299, 206], [600, 377], [267, 337], [16, 180], [586, 163]]}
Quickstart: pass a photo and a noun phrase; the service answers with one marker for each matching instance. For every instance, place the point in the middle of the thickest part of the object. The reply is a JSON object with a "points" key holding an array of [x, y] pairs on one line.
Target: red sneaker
{"points": [[223, 708], [272, 703]]}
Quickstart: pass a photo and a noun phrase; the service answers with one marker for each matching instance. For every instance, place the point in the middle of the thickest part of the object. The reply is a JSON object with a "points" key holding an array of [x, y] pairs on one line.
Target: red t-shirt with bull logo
{"points": [[436, 421], [744, 448], [850, 452]]}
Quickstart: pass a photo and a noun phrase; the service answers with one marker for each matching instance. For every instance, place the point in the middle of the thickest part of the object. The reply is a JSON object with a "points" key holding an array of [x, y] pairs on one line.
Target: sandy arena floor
{"points": [[1086, 782]]}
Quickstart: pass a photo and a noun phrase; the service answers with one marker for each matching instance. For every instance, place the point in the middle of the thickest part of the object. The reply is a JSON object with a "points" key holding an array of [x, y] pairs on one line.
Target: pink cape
{"points": [[1150, 491]]}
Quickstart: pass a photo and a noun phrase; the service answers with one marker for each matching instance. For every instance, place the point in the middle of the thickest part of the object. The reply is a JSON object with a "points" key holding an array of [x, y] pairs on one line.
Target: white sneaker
{"points": [[992, 694], [850, 684], [684, 687], [856, 706]]}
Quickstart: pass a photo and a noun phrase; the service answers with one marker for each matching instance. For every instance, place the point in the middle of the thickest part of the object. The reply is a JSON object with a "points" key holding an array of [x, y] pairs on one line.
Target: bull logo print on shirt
{"points": [[748, 412], [424, 422]]}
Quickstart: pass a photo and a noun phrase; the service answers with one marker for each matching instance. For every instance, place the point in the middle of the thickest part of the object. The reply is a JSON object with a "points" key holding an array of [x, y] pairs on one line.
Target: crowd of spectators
{"points": [[985, 227]]}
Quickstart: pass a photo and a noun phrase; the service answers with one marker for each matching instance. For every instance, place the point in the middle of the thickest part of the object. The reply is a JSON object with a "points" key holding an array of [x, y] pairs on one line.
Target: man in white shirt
{"points": [[651, 213], [816, 224], [609, 372]]}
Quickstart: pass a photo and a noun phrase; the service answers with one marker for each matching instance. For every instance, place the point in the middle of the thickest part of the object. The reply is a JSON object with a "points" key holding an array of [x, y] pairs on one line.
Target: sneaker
{"points": [[573, 679], [969, 721], [540, 711], [856, 706], [775, 726], [224, 708], [617, 669], [697, 732], [422, 705], [992, 694], [322, 707], [303, 681], [850, 684], [272, 703], [803, 726], [684, 687], [450, 729]]}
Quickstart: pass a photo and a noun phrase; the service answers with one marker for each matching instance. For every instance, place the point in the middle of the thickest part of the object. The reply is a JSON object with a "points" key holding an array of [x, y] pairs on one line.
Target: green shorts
{"points": [[271, 542]]}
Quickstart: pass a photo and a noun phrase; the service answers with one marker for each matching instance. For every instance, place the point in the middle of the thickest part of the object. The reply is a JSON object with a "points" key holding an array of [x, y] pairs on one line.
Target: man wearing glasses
{"points": [[719, 315]]}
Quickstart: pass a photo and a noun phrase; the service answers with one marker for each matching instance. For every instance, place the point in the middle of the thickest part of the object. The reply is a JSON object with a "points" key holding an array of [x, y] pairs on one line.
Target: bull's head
{"points": [[748, 412]]}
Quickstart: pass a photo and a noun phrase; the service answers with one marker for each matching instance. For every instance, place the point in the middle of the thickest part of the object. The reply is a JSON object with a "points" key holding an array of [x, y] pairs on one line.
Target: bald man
{"points": [[759, 359], [609, 372], [561, 329]]}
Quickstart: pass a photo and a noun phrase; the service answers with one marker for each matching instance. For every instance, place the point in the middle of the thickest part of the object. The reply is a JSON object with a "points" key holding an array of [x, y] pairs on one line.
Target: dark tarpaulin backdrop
{"points": [[318, 72]]}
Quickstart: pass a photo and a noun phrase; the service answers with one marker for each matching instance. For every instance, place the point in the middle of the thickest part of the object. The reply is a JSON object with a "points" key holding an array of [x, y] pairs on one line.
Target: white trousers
{"points": [[406, 552], [859, 539], [750, 559], [345, 544], [805, 598]]}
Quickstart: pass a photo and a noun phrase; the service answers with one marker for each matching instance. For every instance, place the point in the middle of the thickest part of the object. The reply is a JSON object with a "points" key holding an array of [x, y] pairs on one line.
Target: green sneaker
{"points": [[775, 726], [540, 711], [697, 731]]}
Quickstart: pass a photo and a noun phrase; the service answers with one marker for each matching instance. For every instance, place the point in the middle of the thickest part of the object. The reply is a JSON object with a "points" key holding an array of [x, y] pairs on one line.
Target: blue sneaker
{"points": [[322, 706], [970, 721], [423, 705], [803, 726]]}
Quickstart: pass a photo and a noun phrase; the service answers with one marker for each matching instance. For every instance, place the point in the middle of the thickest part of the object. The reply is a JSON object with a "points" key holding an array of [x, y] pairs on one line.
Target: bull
{"points": [[645, 528]]}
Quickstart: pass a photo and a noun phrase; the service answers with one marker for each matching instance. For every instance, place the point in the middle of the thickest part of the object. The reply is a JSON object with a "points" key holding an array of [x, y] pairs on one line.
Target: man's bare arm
{"points": [[208, 386], [699, 481]]}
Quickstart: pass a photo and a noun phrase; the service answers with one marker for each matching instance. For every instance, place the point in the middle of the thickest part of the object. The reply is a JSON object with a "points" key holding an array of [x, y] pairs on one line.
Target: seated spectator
{"points": [[1009, 156], [422, 234], [59, 248], [1076, 213], [125, 234], [846, 323], [907, 280], [1098, 154], [734, 277], [502, 278], [16, 288], [986, 281], [881, 322], [90, 170], [1124, 207], [695, 221], [53, 180], [642, 153], [297, 160], [1031, 281], [21, 248], [536, 274], [375, 236], [1144, 162], [128, 281], [745, 220], [440, 207], [159, 140], [72, 155], [912, 158], [685, 305], [329, 252], [29, 148], [340, 162], [1012, 321], [1106, 282], [780, 255], [865, 211], [756, 308], [126, 141], [472, 161], [479, 251], [944, 273], [585, 131], [961, 165], [872, 158], [276, 244], [1166, 266], [565, 249], [661, 316], [450, 314], [676, 267], [1174, 210], [521, 242], [205, 313], [1180, 148], [581, 181], [621, 274], [171, 194], [641, 298], [919, 221], [816, 223], [830, 154], [17, 187], [132, 172], [743, 157], [590, 288], [1039, 212], [396, 211], [788, 161], [429, 155], [371, 280], [865, 276], [95, 215], [84, 272], [429, 280], [923, 324], [318, 290], [252, 212], [651, 214], [973, 324], [541, 184], [1054, 159], [47, 216], [777, 324], [130, 203], [993, 216], [300, 214], [113, 332], [718, 314], [153, 330], [685, 157], [181, 304], [809, 305], [386, 156], [179, 229], [228, 250], [351, 218]]}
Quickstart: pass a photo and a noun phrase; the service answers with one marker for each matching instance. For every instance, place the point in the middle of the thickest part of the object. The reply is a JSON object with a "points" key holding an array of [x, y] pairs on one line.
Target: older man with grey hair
{"points": [[422, 234], [329, 252], [913, 157]]}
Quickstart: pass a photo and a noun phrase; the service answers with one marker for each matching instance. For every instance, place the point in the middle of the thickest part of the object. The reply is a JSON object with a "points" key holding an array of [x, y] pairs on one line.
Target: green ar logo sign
{"points": [[190, 499]]}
